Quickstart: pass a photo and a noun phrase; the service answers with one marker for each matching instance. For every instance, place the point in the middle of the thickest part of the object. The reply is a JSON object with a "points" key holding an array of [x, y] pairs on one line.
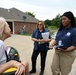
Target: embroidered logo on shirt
{"points": [[68, 34]]}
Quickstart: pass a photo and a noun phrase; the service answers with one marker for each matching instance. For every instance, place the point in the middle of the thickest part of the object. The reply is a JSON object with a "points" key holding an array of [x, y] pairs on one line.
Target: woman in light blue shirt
{"points": [[5, 32]]}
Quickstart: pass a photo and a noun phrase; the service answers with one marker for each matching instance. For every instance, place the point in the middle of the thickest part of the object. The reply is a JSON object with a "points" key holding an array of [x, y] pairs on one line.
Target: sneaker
{"points": [[41, 73], [32, 71]]}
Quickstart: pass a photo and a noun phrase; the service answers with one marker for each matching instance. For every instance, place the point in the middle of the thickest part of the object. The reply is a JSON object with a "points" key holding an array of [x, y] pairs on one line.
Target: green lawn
{"points": [[52, 29]]}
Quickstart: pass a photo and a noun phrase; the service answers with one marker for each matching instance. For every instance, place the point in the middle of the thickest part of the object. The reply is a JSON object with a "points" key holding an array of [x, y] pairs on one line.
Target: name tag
{"points": [[60, 43]]}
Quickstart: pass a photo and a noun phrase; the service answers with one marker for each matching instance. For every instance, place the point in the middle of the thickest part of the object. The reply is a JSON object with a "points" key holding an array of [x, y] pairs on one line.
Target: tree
{"points": [[75, 20], [30, 13], [47, 23], [56, 21]]}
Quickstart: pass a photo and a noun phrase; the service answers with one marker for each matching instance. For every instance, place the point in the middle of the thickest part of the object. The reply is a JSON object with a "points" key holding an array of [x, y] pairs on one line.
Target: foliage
{"points": [[54, 24], [75, 20], [53, 27], [31, 14], [47, 22], [56, 21]]}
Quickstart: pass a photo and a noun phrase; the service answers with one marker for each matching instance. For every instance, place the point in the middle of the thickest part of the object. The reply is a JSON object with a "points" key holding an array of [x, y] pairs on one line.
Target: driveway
{"points": [[24, 45]]}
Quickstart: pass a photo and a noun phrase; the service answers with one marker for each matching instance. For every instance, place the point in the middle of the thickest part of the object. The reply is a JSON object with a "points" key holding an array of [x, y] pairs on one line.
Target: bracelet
{"points": [[23, 66]]}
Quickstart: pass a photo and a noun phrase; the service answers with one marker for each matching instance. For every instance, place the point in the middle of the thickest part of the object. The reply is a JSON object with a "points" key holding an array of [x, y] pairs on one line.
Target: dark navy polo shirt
{"points": [[37, 34], [67, 36]]}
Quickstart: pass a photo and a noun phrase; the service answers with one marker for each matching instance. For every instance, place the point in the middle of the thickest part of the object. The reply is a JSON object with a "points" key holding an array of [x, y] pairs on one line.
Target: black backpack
{"points": [[12, 53]]}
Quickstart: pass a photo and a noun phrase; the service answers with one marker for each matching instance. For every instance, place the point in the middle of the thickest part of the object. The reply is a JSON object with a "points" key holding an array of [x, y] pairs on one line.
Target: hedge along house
{"points": [[18, 20]]}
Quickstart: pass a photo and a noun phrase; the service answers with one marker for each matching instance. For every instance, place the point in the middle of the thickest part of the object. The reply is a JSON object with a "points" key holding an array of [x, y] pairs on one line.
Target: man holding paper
{"points": [[41, 38]]}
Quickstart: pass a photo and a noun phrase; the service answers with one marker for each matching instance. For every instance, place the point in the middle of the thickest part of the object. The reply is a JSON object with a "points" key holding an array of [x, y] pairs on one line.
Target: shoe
{"points": [[32, 71], [28, 74], [41, 73]]}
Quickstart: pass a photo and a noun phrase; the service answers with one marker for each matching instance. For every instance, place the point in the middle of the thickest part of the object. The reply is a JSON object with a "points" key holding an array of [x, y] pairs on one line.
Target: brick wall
{"points": [[29, 27]]}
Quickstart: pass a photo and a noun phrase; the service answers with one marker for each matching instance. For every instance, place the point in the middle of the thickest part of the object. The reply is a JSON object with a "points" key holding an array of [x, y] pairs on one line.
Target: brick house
{"points": [[18, 20]]}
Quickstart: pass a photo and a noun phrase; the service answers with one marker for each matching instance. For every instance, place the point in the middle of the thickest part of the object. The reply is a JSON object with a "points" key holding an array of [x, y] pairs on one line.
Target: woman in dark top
{"points": [[65, 42], [40, 46]]}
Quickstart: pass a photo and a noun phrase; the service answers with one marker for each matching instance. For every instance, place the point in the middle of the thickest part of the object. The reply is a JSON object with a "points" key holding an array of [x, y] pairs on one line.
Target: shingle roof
{"points": [[14, 14]]}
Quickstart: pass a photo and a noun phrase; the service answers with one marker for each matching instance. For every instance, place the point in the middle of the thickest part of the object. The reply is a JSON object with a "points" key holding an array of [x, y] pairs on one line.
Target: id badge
{"points": [[60, 42]]}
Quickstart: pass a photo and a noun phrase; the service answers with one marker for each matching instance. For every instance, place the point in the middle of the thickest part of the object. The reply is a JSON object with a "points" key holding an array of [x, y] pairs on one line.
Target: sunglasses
{"points": [[40, 24]]}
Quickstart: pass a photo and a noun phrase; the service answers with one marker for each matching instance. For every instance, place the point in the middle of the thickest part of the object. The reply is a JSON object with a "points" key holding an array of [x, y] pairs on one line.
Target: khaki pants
{"points": [[62, 62]]}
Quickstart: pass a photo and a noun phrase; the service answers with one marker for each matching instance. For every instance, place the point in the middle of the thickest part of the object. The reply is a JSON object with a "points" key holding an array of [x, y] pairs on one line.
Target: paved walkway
{"points": [[24, 45]]}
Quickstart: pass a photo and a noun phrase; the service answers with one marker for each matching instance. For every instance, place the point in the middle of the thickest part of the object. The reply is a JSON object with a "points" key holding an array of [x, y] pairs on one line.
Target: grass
{"points": [[52, 29]]}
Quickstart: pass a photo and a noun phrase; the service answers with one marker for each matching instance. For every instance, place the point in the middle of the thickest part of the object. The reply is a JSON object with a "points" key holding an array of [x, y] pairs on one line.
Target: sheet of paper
{"points": [[45, 35]]}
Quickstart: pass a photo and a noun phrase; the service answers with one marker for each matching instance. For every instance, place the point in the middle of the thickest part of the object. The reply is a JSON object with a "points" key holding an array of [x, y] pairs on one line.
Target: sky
{"points": [[43, 9]]}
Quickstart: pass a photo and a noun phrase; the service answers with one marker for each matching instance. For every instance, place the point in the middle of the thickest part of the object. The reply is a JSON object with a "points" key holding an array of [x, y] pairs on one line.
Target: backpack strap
{"points": [[6, 56]]}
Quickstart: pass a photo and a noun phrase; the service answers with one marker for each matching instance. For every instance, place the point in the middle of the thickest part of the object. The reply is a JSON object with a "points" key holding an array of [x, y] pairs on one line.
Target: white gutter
{"points": [[13, 27]]}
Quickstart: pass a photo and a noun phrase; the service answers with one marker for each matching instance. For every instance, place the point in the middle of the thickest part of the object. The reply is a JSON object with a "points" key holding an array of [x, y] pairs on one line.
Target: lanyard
{"points": [[60, 41]]}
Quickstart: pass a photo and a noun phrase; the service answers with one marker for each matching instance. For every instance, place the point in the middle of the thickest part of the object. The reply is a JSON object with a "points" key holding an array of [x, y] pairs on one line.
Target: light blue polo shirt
{"points": [[2, 53]]}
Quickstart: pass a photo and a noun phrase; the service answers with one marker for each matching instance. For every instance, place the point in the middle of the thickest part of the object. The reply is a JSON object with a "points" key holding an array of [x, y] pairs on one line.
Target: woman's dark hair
{"points": [[69, 15]]}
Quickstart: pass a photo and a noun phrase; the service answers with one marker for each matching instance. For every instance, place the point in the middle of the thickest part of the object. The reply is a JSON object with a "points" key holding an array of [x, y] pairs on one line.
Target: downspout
{"points": [[13, 28]]}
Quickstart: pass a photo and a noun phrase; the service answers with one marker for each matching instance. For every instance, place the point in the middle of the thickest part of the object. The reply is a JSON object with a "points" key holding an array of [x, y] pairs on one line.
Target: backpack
{"points": [[12, 53]]}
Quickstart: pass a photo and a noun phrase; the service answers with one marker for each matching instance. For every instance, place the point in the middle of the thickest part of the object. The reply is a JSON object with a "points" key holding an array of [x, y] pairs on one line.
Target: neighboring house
{"points": [[18, 20]]}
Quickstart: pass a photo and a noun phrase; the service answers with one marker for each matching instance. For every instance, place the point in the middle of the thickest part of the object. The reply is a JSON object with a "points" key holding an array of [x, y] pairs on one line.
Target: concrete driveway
{"points": [[24, 45]]}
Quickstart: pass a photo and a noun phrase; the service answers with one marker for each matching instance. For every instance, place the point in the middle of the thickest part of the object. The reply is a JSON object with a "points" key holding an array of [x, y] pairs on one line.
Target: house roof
{"points": [[14, 14]]}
